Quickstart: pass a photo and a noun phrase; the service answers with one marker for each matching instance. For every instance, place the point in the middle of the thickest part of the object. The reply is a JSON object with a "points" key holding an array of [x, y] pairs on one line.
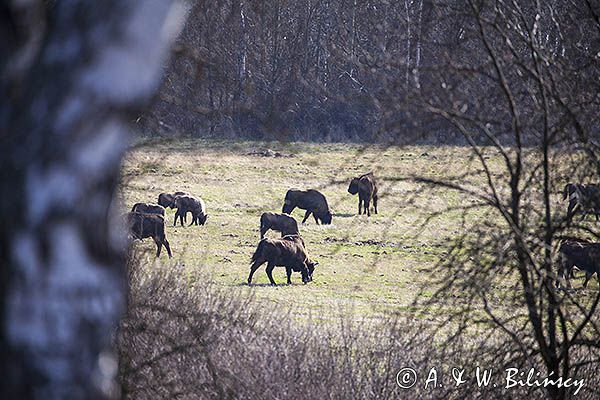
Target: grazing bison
{"points": [[168, 199], [185, 204], [142, 225], [278, 222], [581, 254], [288, 252], [312, 201], [148, 208], [574, 242], [366, 187], [584, 198]]}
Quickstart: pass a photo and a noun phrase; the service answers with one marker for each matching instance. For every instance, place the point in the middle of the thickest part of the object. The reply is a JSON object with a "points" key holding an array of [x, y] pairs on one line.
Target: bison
{"points": [[185, 204], [288, 252], [584, 198], [278, 222], [581, 254], [142, 225], [310, 200], [148, 208], [573, 241], [366, 187]]}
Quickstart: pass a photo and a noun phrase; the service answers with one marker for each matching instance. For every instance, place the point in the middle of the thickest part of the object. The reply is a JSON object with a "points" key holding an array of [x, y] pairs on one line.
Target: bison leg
{"points": [[270, 268], [375, 203], [263, 230], [253, 269], [165, 243], [367, 207], [316, 219], [359, 204], [574, 208], [564, 270], [183, 217], [194, 219], [180, 215], [158, 245], [288, 272], [565, 274], [588, 275], [306, 215]]}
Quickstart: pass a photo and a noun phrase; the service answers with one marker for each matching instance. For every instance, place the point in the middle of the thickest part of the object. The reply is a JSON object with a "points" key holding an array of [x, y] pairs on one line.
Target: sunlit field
{"points": [[367, 265]]}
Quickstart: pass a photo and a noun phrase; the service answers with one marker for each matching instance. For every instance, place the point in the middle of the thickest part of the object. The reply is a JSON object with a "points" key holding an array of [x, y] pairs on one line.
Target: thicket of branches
{"points": [[198, 341], [526, 73], [184, 340]]}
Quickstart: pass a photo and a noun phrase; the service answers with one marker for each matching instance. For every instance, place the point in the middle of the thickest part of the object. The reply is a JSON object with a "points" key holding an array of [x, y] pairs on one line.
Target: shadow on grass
{"points": [[242, 284], [344, 215]]}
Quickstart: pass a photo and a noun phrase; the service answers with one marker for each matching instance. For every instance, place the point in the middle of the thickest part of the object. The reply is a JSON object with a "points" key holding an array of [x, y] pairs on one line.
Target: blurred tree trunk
{"points": [[72, 76]]}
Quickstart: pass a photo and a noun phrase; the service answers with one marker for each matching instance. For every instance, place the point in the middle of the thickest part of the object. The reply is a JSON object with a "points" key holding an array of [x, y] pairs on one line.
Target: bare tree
{"points": [[533, 102]]}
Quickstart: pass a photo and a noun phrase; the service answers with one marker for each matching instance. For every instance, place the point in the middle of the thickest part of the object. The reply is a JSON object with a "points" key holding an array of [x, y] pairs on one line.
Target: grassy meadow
{"points": [[367, 264]]}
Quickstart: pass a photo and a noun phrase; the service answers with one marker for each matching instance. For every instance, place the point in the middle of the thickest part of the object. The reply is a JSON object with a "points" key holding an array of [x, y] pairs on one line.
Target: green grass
{"points": [[366, 264]]}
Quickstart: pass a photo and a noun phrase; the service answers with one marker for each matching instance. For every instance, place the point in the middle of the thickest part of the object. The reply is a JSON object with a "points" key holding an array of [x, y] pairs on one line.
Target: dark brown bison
{"points": [[142, 225], [288, 252], [310, 200], [168, 199], [185, 204], [148, 208], [278, 222], [579, 254], [573, 241], [582, 198], [366, 187]]}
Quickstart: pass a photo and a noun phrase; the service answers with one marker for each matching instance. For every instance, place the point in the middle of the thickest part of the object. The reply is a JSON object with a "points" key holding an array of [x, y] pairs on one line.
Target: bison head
{"points": [[202, 218], [353, 188], [326, 217], [287, 208], [310, 265], [307, 271], [165, 199]]}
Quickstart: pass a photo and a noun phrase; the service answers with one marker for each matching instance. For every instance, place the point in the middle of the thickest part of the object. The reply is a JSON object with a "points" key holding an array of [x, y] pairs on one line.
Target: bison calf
{"points": [[143, 225], [579, 254], [278, 222], [366, 187], [148, 208], [288, 252], [185, 204], [310, 200]]}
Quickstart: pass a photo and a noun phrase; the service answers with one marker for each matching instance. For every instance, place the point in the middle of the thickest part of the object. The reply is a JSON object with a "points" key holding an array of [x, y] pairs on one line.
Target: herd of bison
{"points": [[147, 220]]}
